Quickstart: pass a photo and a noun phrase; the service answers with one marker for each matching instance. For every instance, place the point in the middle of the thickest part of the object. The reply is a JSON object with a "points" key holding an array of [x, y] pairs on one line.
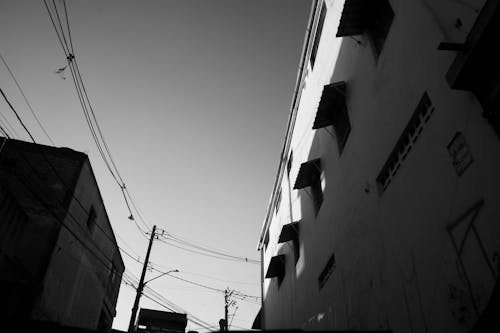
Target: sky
{"points": [[193, 99]]}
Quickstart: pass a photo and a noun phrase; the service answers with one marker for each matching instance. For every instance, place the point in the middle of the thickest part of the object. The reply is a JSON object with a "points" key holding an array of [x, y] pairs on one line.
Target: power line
{"points": [[177, 308], [222, 280], [198, 252], [26, 99], [206, 251], [52, 166], [47, 207], [17, 115], [58, 176], [7, 126], [90, 117]]}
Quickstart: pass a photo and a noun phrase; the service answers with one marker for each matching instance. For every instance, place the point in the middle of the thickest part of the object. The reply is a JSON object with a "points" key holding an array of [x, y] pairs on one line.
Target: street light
{"points": [[162, 274], [138, 295]]}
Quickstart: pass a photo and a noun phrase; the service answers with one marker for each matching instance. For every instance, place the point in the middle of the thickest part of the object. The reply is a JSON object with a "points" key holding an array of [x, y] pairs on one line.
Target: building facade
{"points": [[59, 259], [384, 211]]}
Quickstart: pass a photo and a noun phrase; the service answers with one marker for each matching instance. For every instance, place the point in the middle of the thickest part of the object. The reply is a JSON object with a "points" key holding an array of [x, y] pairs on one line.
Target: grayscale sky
{"points": [[193, 99]]}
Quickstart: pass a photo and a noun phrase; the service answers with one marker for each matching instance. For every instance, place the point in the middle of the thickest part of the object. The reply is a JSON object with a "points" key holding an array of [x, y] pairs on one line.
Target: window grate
{"points": [[406, 142]]}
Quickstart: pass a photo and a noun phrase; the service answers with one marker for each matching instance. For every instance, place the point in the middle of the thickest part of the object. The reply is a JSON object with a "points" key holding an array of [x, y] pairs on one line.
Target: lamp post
{"points": [[141, 285], [139, 294], [162, 274]]}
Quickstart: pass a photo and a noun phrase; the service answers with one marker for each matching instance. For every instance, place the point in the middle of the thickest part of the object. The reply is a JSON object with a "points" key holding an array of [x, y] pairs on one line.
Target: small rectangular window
{"points": [[317, 36], [327, 271], [91, 219]]}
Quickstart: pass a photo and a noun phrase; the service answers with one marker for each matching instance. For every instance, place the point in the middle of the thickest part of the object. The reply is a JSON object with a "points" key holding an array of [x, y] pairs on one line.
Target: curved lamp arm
{"points": [[162, 274]]}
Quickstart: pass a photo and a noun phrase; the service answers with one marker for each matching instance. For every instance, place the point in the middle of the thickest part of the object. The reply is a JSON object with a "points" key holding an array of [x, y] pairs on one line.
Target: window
{"points": [[332, 110], [290, 232], [289, 163], [91, 219], [405, 142], [310, 175], [276, 268], [379, 25], [317, 194], [277, 202], [327, 271], [373, 17], [266, 240], [317, 36]]}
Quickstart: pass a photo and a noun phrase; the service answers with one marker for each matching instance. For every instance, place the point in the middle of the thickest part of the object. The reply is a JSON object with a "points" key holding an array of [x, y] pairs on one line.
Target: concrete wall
{"points": [[78, 290], [396, 265]]}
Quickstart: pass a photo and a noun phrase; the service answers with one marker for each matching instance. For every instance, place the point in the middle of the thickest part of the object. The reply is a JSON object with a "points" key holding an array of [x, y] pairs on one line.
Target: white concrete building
{"points": [[384, 213]]}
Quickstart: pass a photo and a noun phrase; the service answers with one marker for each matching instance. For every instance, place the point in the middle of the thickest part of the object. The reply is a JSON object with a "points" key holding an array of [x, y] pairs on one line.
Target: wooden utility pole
{"points": [[141, 284], [226, 305]]}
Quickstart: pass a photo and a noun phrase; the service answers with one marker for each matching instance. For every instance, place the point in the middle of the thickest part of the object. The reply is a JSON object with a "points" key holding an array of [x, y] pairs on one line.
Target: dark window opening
{"points": [[373, 17], [379, 25], [317, 195], [310, 175], [289, 163], [317, 36], [327, 271], [332, 110], [277, 202], [342, 127], [276, 268], [91, 219], [290, 232], [266, 241]]}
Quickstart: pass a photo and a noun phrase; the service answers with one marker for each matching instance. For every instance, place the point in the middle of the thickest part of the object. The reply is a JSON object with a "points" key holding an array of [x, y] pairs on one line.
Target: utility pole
{"points": [[141, 284], [226, 305]]}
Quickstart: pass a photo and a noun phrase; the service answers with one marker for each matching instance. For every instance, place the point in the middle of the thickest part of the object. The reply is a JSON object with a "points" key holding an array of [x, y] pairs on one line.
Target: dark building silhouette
{"points": [[59, 260], [154, 321]]}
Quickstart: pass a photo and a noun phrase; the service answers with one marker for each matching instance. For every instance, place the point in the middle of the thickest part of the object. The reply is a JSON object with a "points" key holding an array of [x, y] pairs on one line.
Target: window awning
{"points": [[289, 232], [478, 63], [332, 98], [309, 172], [355, 17], [276, 267]]}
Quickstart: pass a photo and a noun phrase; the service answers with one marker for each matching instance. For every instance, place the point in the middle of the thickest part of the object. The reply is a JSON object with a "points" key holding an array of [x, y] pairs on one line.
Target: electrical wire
{"points": [[8, 127], [205, 251], [151, 293], [26, 99], [90, 117], [34, 171], [222, 280], [110, 238]]}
